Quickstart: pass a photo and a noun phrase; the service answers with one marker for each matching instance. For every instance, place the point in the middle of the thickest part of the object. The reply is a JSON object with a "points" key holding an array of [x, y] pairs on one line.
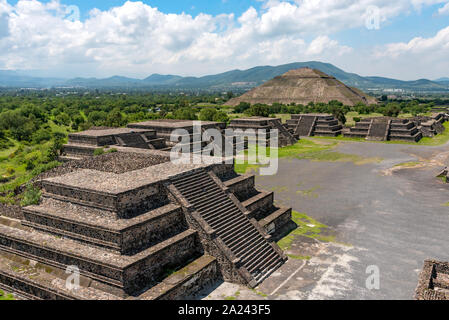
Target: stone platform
{"points": [[385, 129], [314, 125], [285, 137], [162, 231]]}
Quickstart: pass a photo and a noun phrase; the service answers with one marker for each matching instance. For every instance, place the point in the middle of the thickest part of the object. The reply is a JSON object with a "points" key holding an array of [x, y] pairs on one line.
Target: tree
{"points": [[185, 114], [208, 114], [221, 116], [115, 118], [258, 110], [242, 107]]}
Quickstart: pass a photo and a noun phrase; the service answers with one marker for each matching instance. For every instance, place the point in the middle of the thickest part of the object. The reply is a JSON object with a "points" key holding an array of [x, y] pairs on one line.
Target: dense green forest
{"points": [[34, 125]]}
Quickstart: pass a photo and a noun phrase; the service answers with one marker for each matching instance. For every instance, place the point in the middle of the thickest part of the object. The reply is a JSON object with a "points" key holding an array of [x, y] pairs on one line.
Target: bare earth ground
{"points": [[382, 214]]}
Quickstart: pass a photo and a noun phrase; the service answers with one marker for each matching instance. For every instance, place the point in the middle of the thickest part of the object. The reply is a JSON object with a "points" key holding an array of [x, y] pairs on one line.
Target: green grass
{"points": [[351, 115], [305, 149], [408, 164], [307, 227], [4, 296]]}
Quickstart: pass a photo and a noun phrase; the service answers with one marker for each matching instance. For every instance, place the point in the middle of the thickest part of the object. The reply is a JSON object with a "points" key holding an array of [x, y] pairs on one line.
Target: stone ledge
{"points": [[185, 282]]}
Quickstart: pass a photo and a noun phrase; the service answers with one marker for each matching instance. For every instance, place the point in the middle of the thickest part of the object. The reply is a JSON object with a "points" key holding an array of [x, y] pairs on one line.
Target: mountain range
{"points": [[235, 79]]}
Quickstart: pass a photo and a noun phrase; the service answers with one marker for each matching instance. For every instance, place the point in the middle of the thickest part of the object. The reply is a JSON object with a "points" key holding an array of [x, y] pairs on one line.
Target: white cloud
{"points": [[136, 39], [444, 10]]}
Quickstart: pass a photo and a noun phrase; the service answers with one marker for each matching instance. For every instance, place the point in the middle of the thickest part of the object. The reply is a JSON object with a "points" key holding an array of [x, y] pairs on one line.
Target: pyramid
{"points": [[302, 86]]}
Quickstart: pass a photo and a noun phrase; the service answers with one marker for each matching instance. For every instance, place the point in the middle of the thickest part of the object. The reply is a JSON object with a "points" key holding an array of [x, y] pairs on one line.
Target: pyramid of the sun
{"points": [[302, 86]]}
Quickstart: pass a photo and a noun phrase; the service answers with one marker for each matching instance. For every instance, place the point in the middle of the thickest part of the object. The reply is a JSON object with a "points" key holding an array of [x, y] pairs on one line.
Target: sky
{"points": [[402, 39]]}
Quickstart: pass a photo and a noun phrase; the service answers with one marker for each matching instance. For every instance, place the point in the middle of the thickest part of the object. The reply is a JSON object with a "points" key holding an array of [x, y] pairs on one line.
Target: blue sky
{"points": [[202, 37]]}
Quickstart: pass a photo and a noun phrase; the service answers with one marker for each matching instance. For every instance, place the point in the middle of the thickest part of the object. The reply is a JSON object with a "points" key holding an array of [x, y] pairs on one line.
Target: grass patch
{"points": [[4, 296], [408, 164], [304, 149], [299, 257], [307, 227], [445, 204]]}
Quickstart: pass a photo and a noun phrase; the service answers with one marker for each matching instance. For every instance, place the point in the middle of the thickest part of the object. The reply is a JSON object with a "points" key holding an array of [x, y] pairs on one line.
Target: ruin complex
{"points": [[136, 226]]}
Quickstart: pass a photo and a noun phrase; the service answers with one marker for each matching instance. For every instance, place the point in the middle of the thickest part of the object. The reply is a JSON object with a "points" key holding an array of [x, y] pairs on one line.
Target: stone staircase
{"points": [[242, 236], [378, 131], [305, 126], [285, 137]]}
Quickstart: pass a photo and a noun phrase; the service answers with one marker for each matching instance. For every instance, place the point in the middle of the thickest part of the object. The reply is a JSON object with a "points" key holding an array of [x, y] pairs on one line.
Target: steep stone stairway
{"points": [[305, 125], [284, 134], [378, 131], [237, 232]]}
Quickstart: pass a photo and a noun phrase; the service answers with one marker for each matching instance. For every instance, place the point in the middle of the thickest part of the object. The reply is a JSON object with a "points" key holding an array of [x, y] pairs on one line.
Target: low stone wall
{"points": [[11, 211], [187, 282]]}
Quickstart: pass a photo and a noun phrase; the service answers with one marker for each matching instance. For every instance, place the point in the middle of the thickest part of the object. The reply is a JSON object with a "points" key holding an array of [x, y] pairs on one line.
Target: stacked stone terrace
{"points": [[85, 143], [165, 128], [384, 129], [314, 125], [430, 126], [285, 137], [433, 281], [162, 231]]}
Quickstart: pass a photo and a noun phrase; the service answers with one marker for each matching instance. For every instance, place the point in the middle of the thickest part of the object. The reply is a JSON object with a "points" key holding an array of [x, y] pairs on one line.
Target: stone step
{"points": [[252, 242], [105, 191], [262, 200], [212, 213], [121, 274], [252, 237], [216, 217], [186, 282], [69, 158], [223, 224], [276, 220], [233, 223], [122, 236], [257, 261], [270, 267], [241, 183], [230, 228], [233, 238], [40, 282]]}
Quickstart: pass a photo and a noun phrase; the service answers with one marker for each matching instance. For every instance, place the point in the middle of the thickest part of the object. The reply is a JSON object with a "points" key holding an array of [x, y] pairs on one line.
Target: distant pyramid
{"points": [[302, 86]]}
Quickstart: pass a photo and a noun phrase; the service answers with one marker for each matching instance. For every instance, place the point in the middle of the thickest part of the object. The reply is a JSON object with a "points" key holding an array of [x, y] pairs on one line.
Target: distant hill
{"points": [[231, 80]]}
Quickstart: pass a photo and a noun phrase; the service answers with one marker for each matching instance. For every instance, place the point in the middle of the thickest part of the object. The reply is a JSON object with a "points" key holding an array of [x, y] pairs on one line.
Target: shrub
{"points": [[98, 152], [30, 196], [356, 119], [208, 114]]}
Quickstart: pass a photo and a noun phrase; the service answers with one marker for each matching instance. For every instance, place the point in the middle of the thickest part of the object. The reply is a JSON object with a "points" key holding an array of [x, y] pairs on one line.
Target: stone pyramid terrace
{"points": [[385, 129], [155, 231], [308, 125], [285, 137], [153, 134]]}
